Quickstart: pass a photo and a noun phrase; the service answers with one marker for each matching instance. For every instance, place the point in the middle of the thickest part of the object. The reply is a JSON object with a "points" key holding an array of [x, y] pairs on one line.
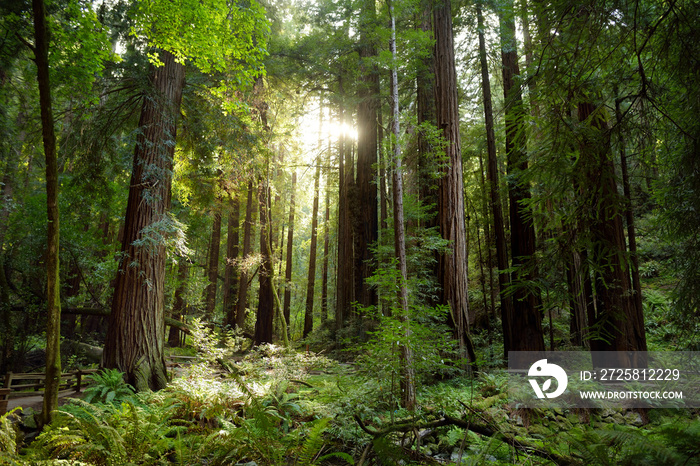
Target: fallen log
{"points": [[94, 311], [410, 425]]}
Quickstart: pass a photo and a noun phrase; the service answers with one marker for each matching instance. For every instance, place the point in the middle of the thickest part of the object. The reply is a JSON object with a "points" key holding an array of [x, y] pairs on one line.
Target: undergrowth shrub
{"points": [[107, 386]]}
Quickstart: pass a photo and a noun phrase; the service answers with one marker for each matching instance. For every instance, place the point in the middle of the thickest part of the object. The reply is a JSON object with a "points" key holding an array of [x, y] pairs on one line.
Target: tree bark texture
{"points": [[525, 323], [134, 342], [311, 277], [53, 319], [266, 302], [452, 272], [232, 267], [247, 250]]}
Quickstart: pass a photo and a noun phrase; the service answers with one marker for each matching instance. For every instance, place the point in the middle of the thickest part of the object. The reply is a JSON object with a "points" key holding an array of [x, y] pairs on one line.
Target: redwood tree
{"points": [[134, 343], [452, 268]]}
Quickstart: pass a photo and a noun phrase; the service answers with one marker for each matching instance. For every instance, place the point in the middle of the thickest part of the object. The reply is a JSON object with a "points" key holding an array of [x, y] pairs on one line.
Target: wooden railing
{"points": [[17, 383]]}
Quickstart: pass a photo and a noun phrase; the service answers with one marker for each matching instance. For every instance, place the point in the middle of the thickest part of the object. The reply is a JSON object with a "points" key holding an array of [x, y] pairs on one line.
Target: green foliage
{"points": [[107, 386], [108, 434], [213, 349], [9, 435], [217, 35]]}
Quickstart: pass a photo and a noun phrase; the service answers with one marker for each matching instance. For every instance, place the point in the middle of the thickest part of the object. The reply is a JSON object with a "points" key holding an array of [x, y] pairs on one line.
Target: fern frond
{"points": [[314, 442]]}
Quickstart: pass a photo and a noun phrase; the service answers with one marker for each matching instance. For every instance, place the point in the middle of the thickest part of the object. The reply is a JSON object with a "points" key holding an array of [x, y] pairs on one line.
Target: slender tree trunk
{"points": [[232, 267], [527, 313], [174, 335], [487, 237], [408, 375], [344, 281], [134, 342], [213, 265], [311, 278], [495, 196], [365, 219], [637, 307], [425, 109], [53, 320], [326, 253], [452, 265], [266, 305], [247, 250], [288, 268]]}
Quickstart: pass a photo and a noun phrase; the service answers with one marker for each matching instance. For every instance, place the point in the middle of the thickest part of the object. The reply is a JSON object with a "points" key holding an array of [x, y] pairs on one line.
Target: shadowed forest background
{"points": [[309, 232]]}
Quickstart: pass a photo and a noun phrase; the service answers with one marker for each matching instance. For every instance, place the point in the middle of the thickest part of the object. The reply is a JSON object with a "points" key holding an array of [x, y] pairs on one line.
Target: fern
{"points": [[313, 443], [8, 432], [107, 386]]}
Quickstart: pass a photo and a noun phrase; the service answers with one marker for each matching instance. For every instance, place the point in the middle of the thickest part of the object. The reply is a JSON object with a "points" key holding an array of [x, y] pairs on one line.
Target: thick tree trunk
{"points": [[452, 271], [232, 267], [134, 342], [53, 319], [247, 250], [494, 191], [213, 266], [526, 315], [288, 268], [614, 323], [266, 302], [311, 277]]}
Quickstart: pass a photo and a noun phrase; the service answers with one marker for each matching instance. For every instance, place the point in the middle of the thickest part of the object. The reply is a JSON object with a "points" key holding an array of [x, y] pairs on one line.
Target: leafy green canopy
{"points": [[216, 35]]}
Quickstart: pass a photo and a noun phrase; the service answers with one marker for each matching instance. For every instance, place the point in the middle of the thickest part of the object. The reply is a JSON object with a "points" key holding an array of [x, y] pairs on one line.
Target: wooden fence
{"points": [[18, 384]]}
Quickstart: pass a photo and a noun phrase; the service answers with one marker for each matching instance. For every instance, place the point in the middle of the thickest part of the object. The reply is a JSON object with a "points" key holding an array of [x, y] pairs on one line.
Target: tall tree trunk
{"points": [[134, 342], [213, 265], [232, 267], [637, 307], [365, 219], [452, 271], [53, 320], [174, 335], [326, 252], [527, 304], [425, 109], [266, 306], [344, 271], [408, 373], [615, 324], [311, 278], [290, 244], [247, 250], [495, 196]]}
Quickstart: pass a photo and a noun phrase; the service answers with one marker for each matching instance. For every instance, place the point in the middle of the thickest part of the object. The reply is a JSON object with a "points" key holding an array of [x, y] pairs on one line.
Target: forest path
{"points": [[37, 401]]}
